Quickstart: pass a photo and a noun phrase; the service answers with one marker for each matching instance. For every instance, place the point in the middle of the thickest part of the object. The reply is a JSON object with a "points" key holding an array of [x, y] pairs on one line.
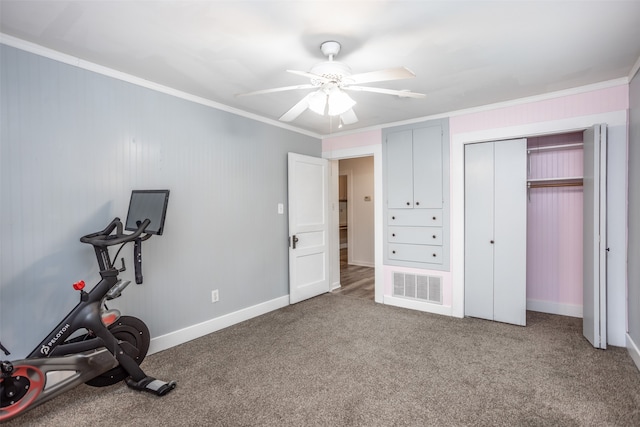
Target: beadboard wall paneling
{"points": [[75, 143], [554, 224]]}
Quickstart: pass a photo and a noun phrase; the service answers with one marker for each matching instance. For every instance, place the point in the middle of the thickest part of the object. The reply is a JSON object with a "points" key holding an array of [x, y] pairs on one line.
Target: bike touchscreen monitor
{"points": [[147, 204]]}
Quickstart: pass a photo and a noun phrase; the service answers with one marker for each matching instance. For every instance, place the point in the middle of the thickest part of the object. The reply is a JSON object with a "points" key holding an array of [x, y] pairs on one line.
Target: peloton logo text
{"points": [[46, 347]]}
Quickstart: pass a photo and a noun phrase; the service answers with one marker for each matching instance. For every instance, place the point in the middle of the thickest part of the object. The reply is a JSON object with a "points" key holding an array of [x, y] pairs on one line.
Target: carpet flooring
{"points": [[336, 360]]}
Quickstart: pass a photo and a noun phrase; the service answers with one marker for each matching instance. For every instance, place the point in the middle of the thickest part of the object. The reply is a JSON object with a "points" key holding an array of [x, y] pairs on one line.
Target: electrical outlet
{"points": [[215, 296]]}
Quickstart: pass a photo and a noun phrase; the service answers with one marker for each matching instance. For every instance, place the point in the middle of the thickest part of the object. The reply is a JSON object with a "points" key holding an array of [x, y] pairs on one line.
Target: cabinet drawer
{"points": [[415, 217], [415, 253], [415, 235]]}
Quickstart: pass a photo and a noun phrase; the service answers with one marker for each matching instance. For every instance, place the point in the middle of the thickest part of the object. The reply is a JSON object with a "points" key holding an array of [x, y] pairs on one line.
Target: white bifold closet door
{"points": [[594, 306], [496, 231]]}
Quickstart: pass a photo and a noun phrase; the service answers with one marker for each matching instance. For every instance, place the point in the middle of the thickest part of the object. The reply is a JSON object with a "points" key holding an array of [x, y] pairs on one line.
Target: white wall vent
{"points": [[418, 287]]}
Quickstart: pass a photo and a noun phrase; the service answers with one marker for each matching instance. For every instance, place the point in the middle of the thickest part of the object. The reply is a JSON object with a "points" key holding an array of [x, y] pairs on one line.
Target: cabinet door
{"points": [[400, 169], [427, 167]]}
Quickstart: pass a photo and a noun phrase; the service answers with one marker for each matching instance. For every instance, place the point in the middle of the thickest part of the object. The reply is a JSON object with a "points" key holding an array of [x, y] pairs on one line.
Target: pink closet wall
{"points": [[554, 226]]}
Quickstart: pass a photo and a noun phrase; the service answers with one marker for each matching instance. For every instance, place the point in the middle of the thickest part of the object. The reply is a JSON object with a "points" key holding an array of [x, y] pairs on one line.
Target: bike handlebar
{"points": [[104, 238]]}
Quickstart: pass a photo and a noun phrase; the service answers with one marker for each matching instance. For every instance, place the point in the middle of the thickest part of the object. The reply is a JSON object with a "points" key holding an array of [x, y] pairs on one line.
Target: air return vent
{"points": [[418, 287]]}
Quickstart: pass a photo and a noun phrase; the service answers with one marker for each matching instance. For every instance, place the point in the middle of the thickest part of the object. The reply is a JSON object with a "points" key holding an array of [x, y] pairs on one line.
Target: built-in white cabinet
{"points": [[414, 172], [416, 190], [495, 227]]}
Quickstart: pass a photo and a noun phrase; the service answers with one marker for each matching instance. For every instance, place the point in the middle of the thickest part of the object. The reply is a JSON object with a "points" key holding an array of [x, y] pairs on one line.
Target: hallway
{"points": [[355, 280]]}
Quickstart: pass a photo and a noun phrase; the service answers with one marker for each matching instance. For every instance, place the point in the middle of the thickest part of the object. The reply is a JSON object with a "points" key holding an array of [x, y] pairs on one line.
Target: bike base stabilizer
{"points": [[152, 385]]}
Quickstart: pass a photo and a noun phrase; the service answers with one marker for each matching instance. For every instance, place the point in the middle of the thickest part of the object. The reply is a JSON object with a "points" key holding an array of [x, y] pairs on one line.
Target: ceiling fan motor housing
{"points": [[331, 70]]}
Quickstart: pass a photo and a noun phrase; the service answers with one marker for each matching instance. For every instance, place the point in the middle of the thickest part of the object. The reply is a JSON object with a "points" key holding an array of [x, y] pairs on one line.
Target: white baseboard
{"points": [[634, 351], [417, 305], [362, 263], [189, 333], [555, 308]]}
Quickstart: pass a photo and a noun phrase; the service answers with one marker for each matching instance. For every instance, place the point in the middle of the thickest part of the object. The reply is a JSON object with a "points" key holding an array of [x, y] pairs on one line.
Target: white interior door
{"points": [[594, 305], [308, 227]]}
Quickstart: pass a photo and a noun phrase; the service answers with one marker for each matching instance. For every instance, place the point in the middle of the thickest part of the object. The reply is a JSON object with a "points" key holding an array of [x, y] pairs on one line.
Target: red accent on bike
{"points": [[36, 385], [79, 285], [109, 318]]}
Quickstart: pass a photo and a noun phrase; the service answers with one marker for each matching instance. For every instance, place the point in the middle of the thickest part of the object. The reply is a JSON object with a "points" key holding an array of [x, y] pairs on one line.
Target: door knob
{"points": [[295, 240]]}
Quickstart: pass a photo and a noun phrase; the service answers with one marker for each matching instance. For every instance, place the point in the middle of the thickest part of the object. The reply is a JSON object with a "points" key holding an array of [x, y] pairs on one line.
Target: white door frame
{"points": [[334, 241]]}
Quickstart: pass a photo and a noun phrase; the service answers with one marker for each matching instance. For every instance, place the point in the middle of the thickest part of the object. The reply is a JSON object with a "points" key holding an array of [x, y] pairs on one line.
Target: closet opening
{"points": [[527, 231], [555, 224]]}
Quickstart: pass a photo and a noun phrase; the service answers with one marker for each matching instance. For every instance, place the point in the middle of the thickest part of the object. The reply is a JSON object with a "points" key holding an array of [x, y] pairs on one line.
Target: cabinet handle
{"points": [[434, 255], [434, 236], [417, 203], [394, 234], [408, 203], [491, 241], [434, 218], [393, 217], [393, 252]]}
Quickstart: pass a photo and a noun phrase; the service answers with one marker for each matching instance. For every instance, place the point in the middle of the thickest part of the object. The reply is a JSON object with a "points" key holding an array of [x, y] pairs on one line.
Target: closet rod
{"points": [[554, 184], [555, 147]]}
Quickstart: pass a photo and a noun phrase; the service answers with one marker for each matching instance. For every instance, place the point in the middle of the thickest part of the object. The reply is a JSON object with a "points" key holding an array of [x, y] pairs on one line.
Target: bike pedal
{"points": [[152, 385]]}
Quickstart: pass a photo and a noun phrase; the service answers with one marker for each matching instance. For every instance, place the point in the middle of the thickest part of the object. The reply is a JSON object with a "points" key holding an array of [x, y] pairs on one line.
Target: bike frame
{"points": [[57, 365]]}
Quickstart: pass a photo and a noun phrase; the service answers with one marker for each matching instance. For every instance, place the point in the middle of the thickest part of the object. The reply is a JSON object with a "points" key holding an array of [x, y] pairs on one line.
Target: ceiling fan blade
{"points": [[400, 93], [309, 75], [349, 117], [277, 89], [295, 111], [382, 75]]}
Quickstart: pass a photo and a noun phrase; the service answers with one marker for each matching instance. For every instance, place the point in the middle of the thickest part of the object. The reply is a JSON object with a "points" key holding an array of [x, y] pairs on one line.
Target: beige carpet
{"points": [[339, 361]]}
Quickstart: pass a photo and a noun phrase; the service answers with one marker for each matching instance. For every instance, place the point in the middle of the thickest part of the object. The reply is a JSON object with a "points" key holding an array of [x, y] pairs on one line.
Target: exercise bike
{"points": [[92, 344]]}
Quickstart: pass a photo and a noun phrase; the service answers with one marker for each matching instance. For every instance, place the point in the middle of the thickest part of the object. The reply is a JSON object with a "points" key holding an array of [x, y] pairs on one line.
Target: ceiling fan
{"points": [[331, 79]]}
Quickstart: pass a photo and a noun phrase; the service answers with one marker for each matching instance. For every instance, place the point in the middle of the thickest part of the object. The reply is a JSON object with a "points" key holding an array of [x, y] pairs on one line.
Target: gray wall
{"points": [[633, 256], [75, 143]]}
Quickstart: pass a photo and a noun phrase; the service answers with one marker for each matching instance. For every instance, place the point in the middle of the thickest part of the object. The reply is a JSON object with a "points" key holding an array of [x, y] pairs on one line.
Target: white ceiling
{"points": [[465, 53]]}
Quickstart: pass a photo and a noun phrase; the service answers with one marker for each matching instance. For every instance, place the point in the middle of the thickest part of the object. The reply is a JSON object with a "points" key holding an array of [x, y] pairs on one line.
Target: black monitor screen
{"points": [[147, 204]]}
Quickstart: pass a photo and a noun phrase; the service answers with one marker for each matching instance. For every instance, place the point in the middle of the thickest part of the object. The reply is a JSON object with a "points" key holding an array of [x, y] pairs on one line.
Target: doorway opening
{"points": [[356, 227]]}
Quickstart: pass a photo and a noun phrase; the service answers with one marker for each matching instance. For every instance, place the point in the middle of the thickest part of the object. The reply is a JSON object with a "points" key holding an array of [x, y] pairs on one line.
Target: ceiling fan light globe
{"points": [[317, 102], [339, 102]]}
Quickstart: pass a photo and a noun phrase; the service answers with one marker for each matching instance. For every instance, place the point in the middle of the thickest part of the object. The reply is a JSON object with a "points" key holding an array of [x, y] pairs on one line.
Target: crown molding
{"points": [[96, 68]]}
